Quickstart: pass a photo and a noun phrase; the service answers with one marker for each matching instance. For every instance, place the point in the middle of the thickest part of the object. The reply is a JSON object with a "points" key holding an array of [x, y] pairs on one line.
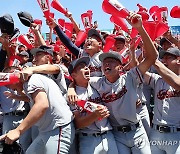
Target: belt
{"points": [[94, 134], [17, 113], [126, 128], [165, 129]]}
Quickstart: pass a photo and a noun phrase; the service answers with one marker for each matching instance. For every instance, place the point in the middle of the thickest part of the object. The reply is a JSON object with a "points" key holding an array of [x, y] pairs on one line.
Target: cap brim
{"points": [[92, 32], [25, 18], [35, 50], [23, 53], [162, 53], [7, 24], [85, 60], [15, 34], [108, 55]]}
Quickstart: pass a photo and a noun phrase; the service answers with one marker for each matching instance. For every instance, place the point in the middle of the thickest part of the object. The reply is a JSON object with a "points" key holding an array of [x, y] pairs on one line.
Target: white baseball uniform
{"points": [[120, 98], [56, 131], [98, 133], [95, 63], [166, 120], [13, 114]]}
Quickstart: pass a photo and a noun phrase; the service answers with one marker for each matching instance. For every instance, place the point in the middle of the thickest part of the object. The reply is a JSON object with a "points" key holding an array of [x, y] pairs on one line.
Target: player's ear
{"points": [[100, 45], [178, 60], [47, 56], [120, 68], [73, 74]]}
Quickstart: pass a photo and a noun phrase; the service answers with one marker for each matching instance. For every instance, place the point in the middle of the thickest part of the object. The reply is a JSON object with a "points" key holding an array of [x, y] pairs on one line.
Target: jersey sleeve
{"points": [[95, 82], [35, 83], [136, 75], [60, 80], [67, 42]]}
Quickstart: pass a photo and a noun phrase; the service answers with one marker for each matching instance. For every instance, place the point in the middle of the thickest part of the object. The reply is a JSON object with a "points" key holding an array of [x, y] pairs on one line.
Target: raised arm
{"points": [[76, 27], [151, 53], [64, 39], [169, 36], [132, 55], [170, 77], [35, 29], [17, 97], [36, 112], [44, 69]]}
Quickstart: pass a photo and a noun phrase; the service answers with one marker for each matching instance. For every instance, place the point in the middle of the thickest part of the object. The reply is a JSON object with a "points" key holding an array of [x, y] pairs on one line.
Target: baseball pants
{"points": [[102, 144], [133, 142], [11, 122], [57, 141], [143, 113], [164, 143]]}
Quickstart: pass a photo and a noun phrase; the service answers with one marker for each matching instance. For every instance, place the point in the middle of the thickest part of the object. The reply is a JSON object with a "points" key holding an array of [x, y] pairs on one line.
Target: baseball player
{"points": [[92, 47], [142, 110], [49, 111], [14, 112], [90, 129], [54, 71], [165, 134], [119, 94], [119, 43]]}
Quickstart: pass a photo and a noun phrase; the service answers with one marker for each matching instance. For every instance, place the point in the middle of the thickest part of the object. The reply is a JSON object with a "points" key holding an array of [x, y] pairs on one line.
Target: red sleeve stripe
{"points": [[150, 79], [140, 77]]}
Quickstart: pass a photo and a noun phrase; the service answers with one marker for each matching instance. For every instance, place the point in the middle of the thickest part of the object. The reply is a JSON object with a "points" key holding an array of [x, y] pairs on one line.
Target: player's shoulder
{"points": [[37, 77], [97, 79]]}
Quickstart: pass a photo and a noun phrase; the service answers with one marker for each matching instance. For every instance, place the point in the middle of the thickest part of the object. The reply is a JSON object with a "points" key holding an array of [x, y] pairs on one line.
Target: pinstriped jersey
{"points": [[94, 64], [166, 102], [90, 94], [121, 96], [58, 113]]}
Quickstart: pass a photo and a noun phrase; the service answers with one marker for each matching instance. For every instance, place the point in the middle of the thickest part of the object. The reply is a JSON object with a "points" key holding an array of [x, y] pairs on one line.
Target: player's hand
{"points": [[11, 136], [26, 73], [135, 20], [168, 34], [72, 96], [51, 23], [35, 27], [132, 45], [68, 14], [62, 51], [102, 112]]}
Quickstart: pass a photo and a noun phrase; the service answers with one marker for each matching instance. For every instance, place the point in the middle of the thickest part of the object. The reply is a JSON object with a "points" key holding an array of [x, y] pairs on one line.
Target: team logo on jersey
{"points": [[162, 94], [95, 100], [112, 97]]}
